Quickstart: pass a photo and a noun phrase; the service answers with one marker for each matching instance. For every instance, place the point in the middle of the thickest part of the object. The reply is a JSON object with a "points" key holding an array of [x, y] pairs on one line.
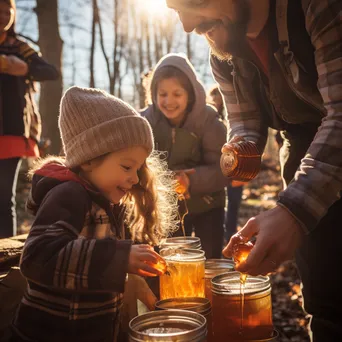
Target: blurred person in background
{"points": [[20, 126]]}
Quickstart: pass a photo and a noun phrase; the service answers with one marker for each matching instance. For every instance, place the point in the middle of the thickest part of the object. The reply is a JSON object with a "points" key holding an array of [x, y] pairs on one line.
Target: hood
{"points": [[199, 109], [45, 178]]}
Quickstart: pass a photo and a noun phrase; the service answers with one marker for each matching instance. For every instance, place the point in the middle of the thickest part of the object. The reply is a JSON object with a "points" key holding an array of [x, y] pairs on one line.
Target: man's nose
{"points": [[189, 21]]}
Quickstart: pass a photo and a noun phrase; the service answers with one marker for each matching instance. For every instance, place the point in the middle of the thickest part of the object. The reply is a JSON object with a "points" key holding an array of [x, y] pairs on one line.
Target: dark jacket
{"points": [[196, 144], [75, 260], [18, 113], [302, 92]]}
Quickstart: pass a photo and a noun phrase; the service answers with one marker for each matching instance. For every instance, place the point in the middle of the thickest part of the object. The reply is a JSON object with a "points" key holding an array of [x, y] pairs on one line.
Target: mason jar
{"points": [[185, 273], [168, 326], [214, 267], [228, 321], [194, 304], [182, 242]]}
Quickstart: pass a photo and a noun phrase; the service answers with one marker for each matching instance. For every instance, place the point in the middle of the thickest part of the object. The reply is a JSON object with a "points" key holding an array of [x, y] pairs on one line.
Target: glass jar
{"points": [[168, 326], [185, 273], [194, 304], [214, 267], [182, 242], [226, 305]]}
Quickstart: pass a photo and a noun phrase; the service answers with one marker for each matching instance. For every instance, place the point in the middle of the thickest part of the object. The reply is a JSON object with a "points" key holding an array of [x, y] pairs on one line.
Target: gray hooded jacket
{"points": [[196, 144]]}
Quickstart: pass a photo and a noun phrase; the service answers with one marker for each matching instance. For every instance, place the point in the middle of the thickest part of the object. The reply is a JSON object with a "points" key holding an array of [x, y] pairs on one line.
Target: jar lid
{"points": [[229, 284], [166, 325], [214, 267], [182, 254], [194, 304], [182, 241]]}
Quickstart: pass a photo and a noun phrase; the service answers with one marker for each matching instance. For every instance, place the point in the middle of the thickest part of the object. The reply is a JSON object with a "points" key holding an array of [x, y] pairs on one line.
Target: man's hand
{"points": [[278, 234], [229, 145], [12, 65]]}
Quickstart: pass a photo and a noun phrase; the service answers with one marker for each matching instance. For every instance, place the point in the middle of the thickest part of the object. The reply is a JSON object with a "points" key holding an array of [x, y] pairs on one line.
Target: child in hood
{"points": [[76, 257], [186, 129]]}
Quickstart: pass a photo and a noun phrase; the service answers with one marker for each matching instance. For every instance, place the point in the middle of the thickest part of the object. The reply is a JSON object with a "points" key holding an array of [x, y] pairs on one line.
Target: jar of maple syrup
{"points": [[214, 267], [241, 160], [184, 276], [194, 304], [238, 317], [168, 326]]}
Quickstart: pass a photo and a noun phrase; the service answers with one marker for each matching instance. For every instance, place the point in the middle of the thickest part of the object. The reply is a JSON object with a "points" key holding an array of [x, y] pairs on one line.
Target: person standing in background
{"points": [[188, 130], [20, 125]]}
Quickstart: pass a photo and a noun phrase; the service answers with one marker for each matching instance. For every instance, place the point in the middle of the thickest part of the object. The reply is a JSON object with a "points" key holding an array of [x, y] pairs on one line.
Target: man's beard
{"points": [[236, 31]]}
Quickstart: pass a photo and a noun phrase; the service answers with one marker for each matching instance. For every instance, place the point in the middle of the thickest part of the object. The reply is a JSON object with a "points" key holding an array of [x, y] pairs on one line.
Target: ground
{"points": [[260, 194]]}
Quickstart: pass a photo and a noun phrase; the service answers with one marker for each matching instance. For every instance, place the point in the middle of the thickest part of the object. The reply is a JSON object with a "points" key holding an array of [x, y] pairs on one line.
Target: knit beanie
{"points": [[93, 123]]}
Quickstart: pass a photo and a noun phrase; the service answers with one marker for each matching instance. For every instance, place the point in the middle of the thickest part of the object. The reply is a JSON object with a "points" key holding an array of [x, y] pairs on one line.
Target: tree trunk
{"points": [[92, 46], [51, 46], [188, 46]]}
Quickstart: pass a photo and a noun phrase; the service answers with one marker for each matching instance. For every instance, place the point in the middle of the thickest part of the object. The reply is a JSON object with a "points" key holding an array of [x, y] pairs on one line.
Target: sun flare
{"points": [[153, 8]]}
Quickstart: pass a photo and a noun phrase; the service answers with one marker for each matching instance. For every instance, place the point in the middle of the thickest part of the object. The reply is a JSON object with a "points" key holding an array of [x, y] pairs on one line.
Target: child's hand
{"points": [[183, 182], [144, 261]]}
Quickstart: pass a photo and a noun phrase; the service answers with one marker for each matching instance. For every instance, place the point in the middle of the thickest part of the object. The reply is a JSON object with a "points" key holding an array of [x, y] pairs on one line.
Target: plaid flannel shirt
{"points": [[318, 180]]}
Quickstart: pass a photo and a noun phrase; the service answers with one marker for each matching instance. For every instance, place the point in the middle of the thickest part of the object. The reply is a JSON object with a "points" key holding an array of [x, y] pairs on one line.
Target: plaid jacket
{"points": [[304, 87], [75, 261]]}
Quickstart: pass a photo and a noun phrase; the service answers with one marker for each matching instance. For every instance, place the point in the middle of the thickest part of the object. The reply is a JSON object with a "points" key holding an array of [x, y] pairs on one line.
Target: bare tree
{"points": [[51, 45]]}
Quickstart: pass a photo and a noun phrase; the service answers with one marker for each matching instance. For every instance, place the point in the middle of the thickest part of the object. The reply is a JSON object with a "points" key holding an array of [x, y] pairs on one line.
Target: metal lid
{"points": [[194, 304], [229, 284], [168, 325], [214, 267], [182, 242], [182, 254]]}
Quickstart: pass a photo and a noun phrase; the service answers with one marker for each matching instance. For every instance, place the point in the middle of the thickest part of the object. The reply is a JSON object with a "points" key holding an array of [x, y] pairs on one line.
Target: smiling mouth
{"points": [[170, 109], [123, 190]]}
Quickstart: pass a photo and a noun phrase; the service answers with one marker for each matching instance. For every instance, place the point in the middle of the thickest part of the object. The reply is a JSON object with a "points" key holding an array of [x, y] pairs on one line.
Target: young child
{"points": [[188, 130], [76, 258]]}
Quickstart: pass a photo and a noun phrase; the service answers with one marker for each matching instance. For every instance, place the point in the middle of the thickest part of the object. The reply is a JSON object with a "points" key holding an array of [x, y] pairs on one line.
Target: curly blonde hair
{"points": [[151, 206]]}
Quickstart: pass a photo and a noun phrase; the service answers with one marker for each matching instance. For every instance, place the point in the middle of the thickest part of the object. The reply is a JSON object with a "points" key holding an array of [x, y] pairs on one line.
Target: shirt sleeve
{"points": [[318, 181], [243, 113]]}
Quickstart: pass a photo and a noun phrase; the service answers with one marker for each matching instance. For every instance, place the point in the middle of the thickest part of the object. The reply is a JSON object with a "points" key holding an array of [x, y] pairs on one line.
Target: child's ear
{"points": [[87, 167]]}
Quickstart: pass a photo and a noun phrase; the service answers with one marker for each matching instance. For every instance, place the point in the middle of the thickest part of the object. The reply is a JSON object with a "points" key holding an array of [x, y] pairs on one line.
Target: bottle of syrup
{"points": [[241, 160]]}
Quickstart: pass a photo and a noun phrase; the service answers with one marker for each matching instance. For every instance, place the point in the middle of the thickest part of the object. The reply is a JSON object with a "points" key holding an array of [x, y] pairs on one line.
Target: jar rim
{"points": [[193, 242], [194, 304], [229, 283], [187, 254], [214, 267], [141, 323]]}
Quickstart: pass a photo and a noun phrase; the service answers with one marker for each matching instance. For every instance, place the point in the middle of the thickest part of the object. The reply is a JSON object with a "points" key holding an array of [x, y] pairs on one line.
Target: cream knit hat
{"points": [[93, 122]]}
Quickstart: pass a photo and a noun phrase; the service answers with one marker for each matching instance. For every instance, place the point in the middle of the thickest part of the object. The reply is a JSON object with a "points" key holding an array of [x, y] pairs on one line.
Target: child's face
{"points": [[117, 173], [172, 100]]}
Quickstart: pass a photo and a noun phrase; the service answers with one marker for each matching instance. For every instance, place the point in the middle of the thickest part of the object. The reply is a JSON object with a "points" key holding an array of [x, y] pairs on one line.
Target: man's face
{"points": [[222, 22]]}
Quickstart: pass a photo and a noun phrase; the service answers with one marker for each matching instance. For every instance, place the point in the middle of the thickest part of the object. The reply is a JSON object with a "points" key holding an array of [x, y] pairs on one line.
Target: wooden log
{"points": [[10, 251]]}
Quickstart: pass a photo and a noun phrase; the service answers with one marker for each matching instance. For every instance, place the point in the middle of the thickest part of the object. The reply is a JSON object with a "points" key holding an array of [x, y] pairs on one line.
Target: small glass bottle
{"points": [[241, 160]]}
